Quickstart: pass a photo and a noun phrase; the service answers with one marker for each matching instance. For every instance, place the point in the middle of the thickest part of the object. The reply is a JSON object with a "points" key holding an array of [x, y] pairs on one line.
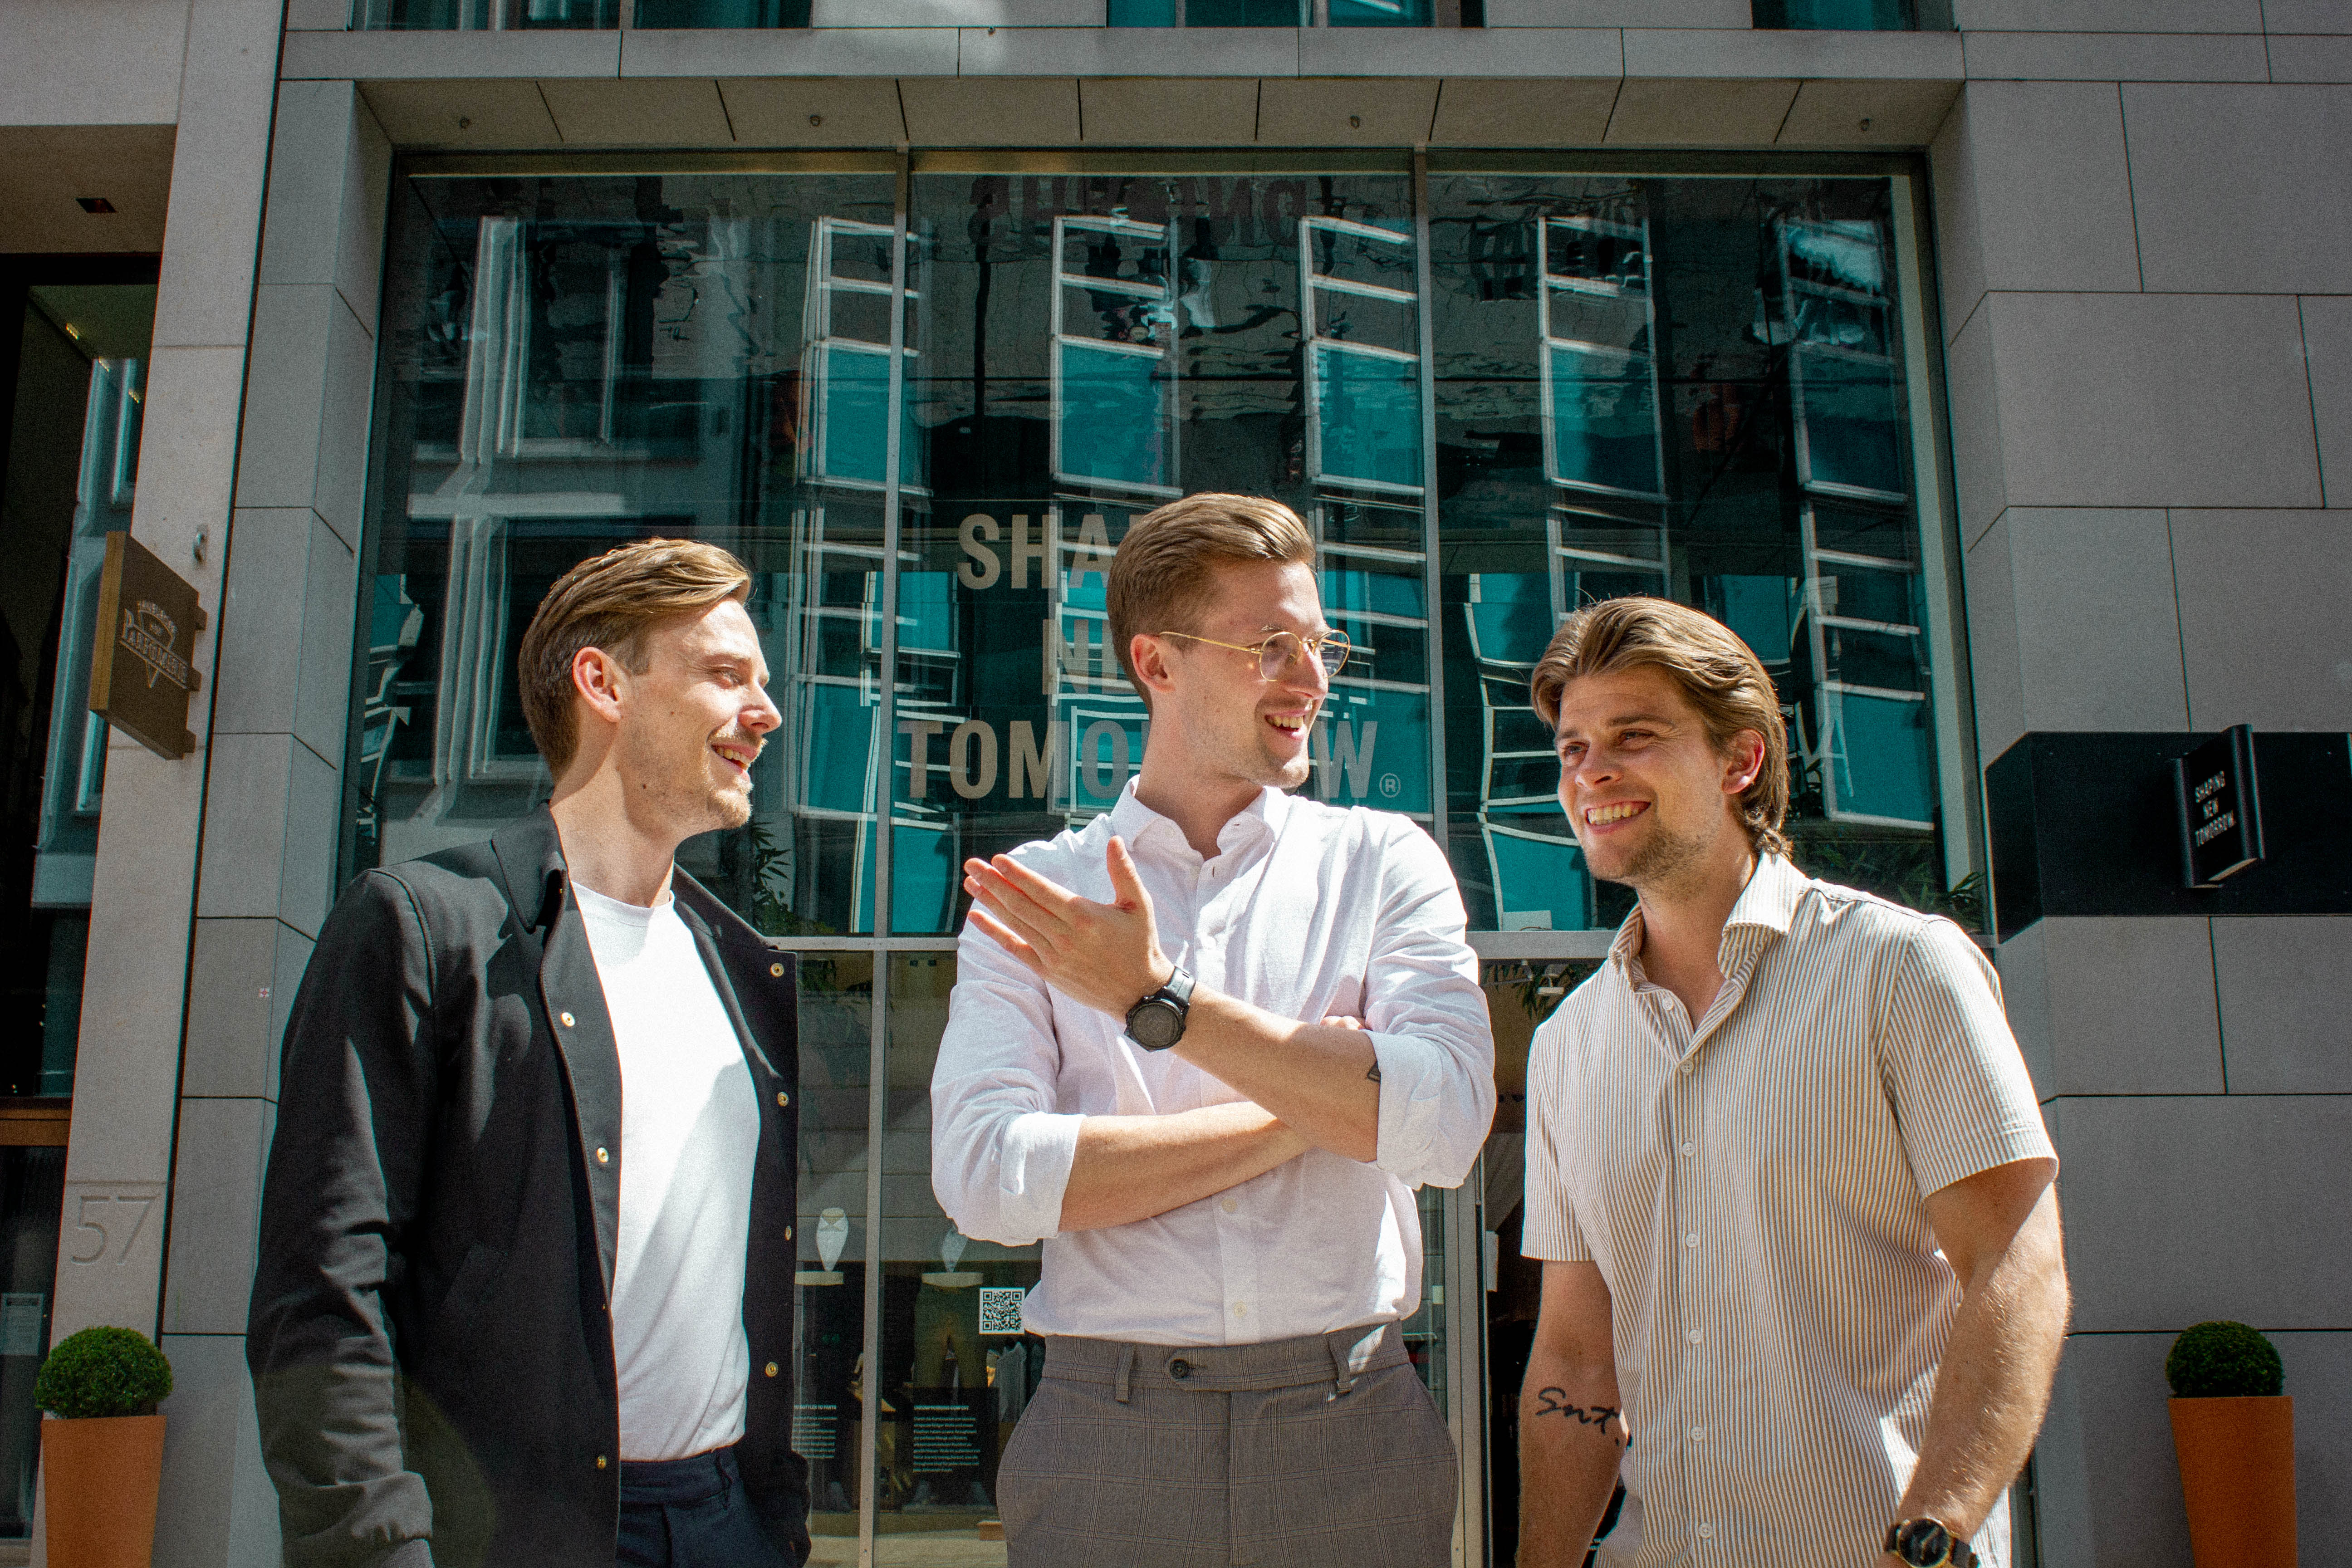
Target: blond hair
{"points": [[1160, 578], [610, 602], [1718, 674]]}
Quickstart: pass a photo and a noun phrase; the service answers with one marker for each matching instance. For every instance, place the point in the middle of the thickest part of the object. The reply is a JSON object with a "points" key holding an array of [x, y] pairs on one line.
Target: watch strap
{"points": [[1173, 998]]}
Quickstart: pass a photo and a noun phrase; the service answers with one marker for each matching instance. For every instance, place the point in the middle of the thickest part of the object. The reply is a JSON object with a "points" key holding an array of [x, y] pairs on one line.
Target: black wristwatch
{"points": [[1927, 1544], [1157, 1022]]}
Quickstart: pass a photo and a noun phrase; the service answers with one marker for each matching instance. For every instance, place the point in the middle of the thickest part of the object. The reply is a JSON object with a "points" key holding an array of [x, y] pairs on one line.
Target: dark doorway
{"points": [[74, 340]]}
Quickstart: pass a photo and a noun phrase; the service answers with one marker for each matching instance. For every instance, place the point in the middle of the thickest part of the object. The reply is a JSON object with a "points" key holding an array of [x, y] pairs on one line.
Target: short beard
{"points": [[1289, 774], [1663, 865], [729, 809]]}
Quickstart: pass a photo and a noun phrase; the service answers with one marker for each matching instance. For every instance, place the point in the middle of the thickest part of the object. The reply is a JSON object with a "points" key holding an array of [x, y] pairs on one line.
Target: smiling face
{"points": [[1233, 726], [1652, 799], [689, 723]]}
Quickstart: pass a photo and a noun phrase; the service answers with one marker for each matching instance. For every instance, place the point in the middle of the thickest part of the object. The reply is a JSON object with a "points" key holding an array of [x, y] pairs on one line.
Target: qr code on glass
{"points": [[1000, 1310]]}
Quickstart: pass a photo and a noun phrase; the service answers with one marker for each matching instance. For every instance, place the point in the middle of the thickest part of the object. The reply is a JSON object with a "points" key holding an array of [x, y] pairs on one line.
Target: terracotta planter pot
{"points": [[2237, 1476], [99, 1481]]}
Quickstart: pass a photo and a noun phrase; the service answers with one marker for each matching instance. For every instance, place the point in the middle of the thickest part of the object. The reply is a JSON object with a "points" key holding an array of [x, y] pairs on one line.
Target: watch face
{"points": [[1155, 1025], [1924, 1543]]}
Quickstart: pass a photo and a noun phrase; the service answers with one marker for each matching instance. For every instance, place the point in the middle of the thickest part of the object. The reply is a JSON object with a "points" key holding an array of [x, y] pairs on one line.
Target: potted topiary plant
{"points": [[103, 1453], [2233, 1432]]}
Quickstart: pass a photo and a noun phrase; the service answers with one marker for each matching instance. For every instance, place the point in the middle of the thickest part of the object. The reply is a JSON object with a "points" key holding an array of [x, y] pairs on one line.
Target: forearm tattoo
{"points": [[1554, 1401]]}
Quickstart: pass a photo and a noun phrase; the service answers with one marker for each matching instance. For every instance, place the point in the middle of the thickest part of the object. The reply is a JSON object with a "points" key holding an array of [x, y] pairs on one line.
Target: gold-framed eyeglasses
{"points": [[1278, 655]]}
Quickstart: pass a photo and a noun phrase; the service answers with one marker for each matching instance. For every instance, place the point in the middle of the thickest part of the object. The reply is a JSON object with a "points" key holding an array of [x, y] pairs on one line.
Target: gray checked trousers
{"points": [[1322, 1452]]}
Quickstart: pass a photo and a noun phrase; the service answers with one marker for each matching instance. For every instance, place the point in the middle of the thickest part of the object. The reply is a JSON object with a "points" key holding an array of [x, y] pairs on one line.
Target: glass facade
{"points": [[923, 407], [1854, 15]]}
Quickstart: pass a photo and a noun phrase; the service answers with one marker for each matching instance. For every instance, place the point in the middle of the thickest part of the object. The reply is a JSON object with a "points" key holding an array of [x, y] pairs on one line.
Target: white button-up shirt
{"points": [[1307, 910]]}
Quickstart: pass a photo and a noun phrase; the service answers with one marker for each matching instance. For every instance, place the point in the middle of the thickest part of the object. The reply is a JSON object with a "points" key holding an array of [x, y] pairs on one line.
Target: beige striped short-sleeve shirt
{"points": [[1753, 1190]]}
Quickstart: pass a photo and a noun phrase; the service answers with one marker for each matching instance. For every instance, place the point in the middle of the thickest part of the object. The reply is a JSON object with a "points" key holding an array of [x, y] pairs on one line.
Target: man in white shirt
{"points": [[1802, 1285], [525, 1294], [1205, 1048]]}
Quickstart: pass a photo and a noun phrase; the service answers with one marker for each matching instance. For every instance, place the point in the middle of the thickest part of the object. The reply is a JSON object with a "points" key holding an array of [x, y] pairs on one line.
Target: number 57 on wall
{"points": [[107, 1224]]}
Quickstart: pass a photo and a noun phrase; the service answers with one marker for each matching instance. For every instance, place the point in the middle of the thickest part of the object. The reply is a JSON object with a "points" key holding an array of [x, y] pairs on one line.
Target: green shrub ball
{"points": [[2223, 1361], [102, 1371]]}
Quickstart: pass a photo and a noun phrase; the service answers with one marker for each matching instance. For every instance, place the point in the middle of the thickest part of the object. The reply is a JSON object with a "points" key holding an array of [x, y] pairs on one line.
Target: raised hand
{"points": [[1105, 955]]}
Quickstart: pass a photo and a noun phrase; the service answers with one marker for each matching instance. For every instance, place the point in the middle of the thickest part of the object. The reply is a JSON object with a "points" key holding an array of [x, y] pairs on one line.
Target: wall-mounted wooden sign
{"points": [[140, 677], [2220, 809]]}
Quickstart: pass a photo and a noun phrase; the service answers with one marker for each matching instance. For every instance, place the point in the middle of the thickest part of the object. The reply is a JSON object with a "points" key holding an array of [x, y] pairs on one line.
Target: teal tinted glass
{"points": [[1109, 416], [1367, 417], [1379, 13], [571, 364], [1693, 389], [1687, 387], [1091, 347], [1856, 16]]}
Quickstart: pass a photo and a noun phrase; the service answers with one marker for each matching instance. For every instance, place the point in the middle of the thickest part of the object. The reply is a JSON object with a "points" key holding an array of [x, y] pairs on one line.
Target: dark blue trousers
{"points": [[690, 1513]]}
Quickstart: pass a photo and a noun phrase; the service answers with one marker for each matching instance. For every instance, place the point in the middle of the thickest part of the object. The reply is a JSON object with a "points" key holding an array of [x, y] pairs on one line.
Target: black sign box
{"points": [[2087, 824], [2220, 809]]}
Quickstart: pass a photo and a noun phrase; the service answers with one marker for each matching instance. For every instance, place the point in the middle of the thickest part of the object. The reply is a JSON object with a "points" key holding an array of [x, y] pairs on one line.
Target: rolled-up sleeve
{"points": [[1427, 1017], [1001, 1154]]}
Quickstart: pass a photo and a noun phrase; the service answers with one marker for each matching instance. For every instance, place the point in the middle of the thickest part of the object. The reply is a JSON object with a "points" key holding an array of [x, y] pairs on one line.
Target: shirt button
{"points": [[1180, 1369], [1229, 1205], [1689, 1240], [1240, 1308], [601, 1461], [1696, 1434], [603, 1156], [775, 971], [567, 1023], [1694, 1336], [1705, 1533], [1688, 1150], [787, 1233], [783, 1098], [772, 1369]]}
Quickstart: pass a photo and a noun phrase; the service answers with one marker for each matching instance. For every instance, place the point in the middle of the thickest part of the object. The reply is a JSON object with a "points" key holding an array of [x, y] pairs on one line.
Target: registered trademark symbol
{"points": [[1390, 785]]}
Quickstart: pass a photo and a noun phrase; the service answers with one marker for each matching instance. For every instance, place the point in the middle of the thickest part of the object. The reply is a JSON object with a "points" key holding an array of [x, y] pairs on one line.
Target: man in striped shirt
{"points": [[1802, 1281]]}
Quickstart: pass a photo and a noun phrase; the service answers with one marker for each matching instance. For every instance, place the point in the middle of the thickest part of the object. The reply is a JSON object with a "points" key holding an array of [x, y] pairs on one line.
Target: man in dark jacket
{"points": [[496, 1321]]}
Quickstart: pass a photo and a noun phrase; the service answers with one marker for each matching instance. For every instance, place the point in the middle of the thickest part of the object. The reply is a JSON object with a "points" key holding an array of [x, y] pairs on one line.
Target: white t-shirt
{"points": [[689, 1134]]}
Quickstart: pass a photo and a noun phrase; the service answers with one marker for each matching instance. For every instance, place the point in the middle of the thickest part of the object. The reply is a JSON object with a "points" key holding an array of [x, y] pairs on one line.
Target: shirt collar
{"points": [[1769, 900], [1139, 825], [1768, 903]]}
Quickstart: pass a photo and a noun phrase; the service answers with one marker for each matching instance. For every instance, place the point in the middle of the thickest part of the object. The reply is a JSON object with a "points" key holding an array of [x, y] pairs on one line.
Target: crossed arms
{"points": [[1410, 1090]]}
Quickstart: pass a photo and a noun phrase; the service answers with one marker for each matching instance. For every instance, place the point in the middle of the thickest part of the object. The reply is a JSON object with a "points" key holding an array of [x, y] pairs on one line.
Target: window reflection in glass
{"points": [[1690, 388], [1089, 347], [571, 363]]}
